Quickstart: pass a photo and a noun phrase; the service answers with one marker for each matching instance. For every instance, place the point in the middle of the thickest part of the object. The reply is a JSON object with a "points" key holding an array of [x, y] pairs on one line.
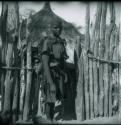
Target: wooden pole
{"points": [[91, 88], [111, 43], [96, 39], [86, 63], [22, 77], [90, 63], [101, 55], [16, 63], [78, 61], [118, 72], [79, 101], [29, 79], [80, 96], [22, 87], [4, 46], [115, 72], [106, 80], [16, 90], [86, 84], [104, 60], [77, 52], [120, 80], [0, 71], [11, 25], [112, 74], [106, 69]]}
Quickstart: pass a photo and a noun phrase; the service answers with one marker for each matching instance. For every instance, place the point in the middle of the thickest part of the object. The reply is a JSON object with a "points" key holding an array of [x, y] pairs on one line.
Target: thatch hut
{"points": [[41, 23]]}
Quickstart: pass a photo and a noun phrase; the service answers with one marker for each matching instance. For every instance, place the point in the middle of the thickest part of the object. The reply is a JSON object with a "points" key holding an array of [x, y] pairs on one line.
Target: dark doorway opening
{"points": [[70, 87]]}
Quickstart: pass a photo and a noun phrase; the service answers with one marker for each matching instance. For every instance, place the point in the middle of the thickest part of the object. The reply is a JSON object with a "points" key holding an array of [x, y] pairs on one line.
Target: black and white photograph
{"points": [[60, 62]]}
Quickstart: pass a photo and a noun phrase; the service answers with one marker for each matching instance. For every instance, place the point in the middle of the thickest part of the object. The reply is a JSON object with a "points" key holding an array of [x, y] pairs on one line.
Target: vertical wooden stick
{"points": [[80, 97], [22, 77], [16, 90], [96, 39], [12, 24], [22, 87], [112, 14], [4, 46], [29, 79], [120, 80], [86, 84], [101, 55], [86, 63]]}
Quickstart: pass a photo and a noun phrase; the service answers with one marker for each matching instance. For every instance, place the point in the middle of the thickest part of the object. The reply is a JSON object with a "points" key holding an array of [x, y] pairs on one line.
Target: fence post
{"points": [[4, 46], [12, 24], [115, 72], [111, 42], [29, 79], [86, 63], [79, 102], [96, 39], [101, 55], [16, 83], [120, 79], [16, 63], [22, 76]]}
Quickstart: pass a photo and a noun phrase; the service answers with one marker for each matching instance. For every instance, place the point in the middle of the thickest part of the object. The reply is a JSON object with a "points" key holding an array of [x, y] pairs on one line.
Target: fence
{"points": [[98, 64], [97, 67]]}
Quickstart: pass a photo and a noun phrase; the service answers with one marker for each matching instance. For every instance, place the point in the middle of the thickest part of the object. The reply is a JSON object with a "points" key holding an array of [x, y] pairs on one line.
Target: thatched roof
{"points": [[42, 21]]}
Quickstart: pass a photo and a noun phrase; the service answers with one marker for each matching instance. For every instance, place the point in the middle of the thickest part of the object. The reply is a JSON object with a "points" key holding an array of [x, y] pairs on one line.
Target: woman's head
{"points": [[57, 28]]}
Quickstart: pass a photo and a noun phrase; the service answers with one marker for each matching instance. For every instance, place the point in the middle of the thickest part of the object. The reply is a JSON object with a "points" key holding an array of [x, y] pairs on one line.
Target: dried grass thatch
{"points": [[41, 24]]}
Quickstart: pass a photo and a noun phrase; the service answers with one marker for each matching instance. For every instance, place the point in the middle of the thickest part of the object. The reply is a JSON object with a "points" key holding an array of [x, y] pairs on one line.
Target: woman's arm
{"points": [[45, 60]]}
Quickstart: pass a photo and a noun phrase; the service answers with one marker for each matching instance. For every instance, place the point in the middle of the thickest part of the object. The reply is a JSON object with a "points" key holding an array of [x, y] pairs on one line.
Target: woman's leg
{"points": [[49, 110]]}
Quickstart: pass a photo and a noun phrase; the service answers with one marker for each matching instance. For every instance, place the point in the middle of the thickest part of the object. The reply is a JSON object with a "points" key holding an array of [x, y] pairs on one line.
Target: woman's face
{"points": [[56, 31]]}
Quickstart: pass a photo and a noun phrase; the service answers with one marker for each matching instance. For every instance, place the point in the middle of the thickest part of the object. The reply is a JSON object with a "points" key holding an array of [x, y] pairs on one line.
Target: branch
{"points": [[103, 60]]}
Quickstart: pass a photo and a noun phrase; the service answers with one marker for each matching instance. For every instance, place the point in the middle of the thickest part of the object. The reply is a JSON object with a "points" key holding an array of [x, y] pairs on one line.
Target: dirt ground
{"points": [[99, 120]]}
